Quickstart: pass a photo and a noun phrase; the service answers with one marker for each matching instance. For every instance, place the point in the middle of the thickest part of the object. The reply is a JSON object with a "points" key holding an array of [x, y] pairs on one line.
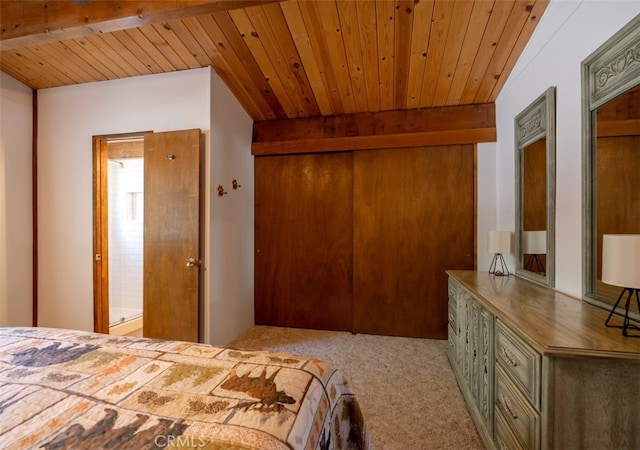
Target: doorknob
{"points": [[191, 262]]}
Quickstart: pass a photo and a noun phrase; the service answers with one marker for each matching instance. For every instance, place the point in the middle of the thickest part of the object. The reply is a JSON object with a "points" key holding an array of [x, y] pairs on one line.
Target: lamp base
{"points": [[534, 264], [498, 266], [626, 322]]}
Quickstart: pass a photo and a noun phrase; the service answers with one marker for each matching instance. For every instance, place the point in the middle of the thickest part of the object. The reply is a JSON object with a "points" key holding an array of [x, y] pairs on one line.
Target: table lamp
{"points": [[534, 244], [621, 267], [499, 243]]}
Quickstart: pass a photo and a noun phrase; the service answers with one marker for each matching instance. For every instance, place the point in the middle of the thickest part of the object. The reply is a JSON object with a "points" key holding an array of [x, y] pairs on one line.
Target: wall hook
{"points": [[221, 191], [171, 156], [235, 184]]}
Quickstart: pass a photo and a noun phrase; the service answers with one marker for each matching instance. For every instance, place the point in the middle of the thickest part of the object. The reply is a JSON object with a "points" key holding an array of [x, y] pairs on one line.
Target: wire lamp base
{"points": [[626, 322], [498, 267]]}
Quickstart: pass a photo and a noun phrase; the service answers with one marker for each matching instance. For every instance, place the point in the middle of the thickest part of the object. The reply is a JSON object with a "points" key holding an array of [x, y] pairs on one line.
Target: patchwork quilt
{"points": [[65, 389]]}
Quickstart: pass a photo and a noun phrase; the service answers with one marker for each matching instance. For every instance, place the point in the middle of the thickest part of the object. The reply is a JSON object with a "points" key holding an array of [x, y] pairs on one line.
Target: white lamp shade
{"points": [[499, 241], [534, 242], [621, 260]]}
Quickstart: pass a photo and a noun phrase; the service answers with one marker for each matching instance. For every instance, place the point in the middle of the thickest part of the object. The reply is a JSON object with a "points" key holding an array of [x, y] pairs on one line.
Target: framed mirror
{"points": [[535, 189], [611, 153]]}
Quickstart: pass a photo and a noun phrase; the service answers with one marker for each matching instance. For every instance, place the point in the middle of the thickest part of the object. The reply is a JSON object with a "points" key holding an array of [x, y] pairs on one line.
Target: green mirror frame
{"points": [[611, 70], [534, 123]]}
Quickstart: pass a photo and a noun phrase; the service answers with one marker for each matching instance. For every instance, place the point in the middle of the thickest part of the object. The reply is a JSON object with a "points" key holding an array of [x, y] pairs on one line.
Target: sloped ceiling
{"points": [[281, 59]]}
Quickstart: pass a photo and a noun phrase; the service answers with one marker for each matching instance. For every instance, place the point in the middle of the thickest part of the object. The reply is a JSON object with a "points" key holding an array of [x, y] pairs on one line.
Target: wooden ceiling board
{"points": [[459, 21], [369, 46], [300, 35], [385, 16], [349, 26], [440, 23], [334, 39], [403, 25], [535, 13], [288, 59], [515, 23], [478, 24], [238, 42], [423, 13], [500, 13]]}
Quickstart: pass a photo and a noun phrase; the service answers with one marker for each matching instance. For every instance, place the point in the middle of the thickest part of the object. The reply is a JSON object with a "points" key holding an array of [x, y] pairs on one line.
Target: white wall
{"points": [[68, 118], [568, 32], [16, 217], [231, 217], [486, 207]]}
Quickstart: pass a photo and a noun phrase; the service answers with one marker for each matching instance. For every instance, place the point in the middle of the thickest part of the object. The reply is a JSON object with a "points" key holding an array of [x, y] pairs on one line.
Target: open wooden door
{"points": [[172, 235]]}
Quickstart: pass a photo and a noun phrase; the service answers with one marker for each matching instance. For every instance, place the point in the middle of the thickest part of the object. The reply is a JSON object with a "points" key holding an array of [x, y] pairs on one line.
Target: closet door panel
{"points": [[303, 241], [414, 218]]}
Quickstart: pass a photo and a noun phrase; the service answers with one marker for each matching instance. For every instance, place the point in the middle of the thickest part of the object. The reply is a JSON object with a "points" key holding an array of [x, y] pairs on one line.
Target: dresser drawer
{"points": [[453, 345], [520, 361], [452, 315], [454, 288], [504, 437], [520, 417]]}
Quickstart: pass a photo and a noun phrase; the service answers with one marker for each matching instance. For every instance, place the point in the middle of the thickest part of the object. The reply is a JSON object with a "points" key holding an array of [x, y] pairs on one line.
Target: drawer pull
{"points": [[509, 357], [505, 401]]}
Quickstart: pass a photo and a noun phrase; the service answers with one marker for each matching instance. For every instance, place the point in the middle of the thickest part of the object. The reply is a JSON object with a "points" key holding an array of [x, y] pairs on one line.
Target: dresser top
{"points": [[555, 324]]}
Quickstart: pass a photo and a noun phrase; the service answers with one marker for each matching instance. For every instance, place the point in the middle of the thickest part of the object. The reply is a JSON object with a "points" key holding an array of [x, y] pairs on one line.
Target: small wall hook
{"points": [[235, 184], [221, 191], [171, 156]]}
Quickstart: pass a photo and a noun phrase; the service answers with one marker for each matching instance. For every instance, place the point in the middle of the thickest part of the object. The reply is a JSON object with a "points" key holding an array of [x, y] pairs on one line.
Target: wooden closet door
{"points": [[303, 241], [414, 218]]}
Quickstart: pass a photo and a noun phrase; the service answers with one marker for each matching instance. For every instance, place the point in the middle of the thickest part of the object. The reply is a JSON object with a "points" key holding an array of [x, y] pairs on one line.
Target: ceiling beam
{"points": [[449, 125], [32, 22]]}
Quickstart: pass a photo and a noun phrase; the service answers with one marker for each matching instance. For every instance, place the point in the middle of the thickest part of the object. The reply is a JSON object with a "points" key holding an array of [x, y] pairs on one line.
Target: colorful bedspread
{"points": [[77, 390]]}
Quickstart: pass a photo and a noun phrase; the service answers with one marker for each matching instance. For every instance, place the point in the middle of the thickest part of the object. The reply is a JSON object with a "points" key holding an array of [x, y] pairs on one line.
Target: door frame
{"points": [[101, 229]]}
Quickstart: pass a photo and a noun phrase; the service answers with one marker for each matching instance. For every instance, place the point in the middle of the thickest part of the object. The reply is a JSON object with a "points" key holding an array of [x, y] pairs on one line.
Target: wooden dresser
{"points": [[538, 369]]}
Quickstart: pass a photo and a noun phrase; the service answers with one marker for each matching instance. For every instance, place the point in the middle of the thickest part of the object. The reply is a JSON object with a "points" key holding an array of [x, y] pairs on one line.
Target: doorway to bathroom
{"points": [[125, 227], [147, 227]]}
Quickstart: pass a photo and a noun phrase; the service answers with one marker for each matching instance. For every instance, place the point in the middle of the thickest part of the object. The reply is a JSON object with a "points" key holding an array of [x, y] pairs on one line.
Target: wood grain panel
{"points": [[437, 41], [303, 244], [224, 31], [259, 57], [536, 10], [299, 58], [423, 12], [335, 46], [402, 54], [450, 59], [171, 292], [32, 22], [369, 45], [386, 129], [162, 47], [100, 71], [413, 219], [348, 14], [311, 16], [107, 56], [125, 54], [477, 28], [385, 16], [499, 16], [302, 41], [517, 18]]}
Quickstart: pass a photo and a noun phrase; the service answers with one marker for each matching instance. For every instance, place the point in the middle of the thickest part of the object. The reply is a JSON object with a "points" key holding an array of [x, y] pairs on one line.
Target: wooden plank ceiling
{"points": [[281, 59]]}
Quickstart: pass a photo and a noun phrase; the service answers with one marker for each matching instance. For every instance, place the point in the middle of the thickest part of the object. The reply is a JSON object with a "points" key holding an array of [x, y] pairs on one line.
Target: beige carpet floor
{"points": [[405, 386]]}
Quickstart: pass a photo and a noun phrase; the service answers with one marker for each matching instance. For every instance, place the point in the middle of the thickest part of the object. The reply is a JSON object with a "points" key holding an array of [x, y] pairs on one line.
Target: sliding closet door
{"points": [[414, 218], [303, 241]]}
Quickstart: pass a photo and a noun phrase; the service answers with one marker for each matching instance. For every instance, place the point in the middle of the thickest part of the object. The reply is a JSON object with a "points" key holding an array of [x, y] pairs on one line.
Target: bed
{"points": [[80, 390]]}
